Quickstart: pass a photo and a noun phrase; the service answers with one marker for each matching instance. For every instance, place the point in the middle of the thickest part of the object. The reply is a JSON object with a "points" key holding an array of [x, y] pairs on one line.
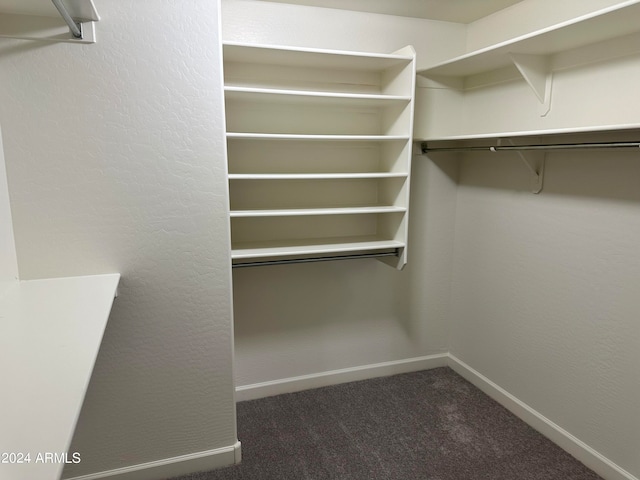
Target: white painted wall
{"points": [[115, 158], [545, 290], [304, 319], [8, 260], [544, 297]]}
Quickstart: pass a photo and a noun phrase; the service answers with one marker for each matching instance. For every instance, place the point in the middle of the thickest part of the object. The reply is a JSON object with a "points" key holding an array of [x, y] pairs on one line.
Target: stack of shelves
{"points": [[319, 148]]}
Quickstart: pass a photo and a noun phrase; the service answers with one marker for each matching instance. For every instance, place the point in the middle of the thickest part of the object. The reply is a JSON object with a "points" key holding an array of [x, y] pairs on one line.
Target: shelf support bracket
{"points": [[536, 71], [50, 29], [534, 161]]}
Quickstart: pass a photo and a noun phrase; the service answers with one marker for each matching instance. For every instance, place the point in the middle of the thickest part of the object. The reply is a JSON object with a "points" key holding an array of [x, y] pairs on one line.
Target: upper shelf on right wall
{"points": [[474, 95]]}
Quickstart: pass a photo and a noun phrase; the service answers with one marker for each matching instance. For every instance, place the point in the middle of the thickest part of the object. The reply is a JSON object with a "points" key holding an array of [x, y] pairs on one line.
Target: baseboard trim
{"points": [[574, 446], [171, 467], [334, 377], [226, 456]]}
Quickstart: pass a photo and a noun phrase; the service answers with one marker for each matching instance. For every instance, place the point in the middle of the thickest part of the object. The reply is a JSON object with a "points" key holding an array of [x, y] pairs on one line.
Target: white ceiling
{"points": [[460, 11]]}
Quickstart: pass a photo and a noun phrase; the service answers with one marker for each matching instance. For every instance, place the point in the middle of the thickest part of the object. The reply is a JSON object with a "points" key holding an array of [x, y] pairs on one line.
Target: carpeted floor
{"points": [[429, 425]]}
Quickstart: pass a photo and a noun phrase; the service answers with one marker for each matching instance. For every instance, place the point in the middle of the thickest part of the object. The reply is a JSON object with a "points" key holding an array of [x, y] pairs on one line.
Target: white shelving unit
{"points": [[319, 147]]}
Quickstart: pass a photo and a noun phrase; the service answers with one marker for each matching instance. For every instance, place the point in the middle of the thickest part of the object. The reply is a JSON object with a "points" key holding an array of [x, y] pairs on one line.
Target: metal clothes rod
{"points": [[314, 259], [76, 28], [557, 146]]}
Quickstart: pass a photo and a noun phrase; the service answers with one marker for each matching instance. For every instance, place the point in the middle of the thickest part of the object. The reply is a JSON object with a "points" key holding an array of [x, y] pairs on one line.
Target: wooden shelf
{"points": [[595, 27], [324, 138], [315, 176], [281, 96], [50, 333], [293, 212], [319, 246], [340, 125], [310, 57], [40, 20]]}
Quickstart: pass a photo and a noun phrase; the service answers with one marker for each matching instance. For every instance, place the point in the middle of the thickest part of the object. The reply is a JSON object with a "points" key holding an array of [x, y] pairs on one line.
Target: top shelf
{"points": [[308, 57], [599, 26]]}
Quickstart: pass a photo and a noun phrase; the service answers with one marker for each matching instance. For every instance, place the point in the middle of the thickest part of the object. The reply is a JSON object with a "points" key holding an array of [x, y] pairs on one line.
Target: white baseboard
{"points": [[171, 467], [580, 450], [221, 457], [334, 377]]}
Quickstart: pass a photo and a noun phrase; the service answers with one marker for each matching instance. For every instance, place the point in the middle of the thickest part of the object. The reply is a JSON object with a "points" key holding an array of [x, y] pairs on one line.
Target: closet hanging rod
{"points": [[75, 27], [557, 146], [314, 259]]}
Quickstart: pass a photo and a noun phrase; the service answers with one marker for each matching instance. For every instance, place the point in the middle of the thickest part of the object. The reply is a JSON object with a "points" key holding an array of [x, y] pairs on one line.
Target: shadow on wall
{"points": [[286, 298]]}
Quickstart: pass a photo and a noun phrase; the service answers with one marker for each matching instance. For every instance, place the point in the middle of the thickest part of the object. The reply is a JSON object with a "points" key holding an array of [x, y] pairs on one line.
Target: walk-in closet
{"points": [[210, 203]]}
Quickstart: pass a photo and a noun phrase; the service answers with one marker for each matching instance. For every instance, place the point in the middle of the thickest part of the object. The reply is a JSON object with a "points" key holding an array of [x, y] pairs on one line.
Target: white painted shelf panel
{"points": [[595, 27], [293, 212], [308, 115], [40, 20], [315, 138], [311, 58], [281, 96], [322, 246], [315, 176], [79, 9], [50, 333]]}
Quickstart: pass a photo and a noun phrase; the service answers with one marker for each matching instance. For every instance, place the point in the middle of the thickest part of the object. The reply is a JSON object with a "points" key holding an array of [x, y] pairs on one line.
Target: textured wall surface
{"points": [[115, 157], [302, 319], [545, 290]]}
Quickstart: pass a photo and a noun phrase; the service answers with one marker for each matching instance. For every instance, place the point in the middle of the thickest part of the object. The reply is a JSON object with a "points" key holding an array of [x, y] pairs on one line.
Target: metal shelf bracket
{"points": [[534, 161], [535, 69]]}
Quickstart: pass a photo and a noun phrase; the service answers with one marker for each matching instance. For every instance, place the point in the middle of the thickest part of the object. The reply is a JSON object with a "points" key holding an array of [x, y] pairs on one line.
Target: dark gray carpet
{"points": [[429, 425]]}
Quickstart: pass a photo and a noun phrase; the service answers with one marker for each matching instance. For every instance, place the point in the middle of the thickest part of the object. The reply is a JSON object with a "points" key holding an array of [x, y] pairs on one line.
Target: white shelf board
{"points": [[50, 333], [281, 96], [245, 251], [310, 57], [333, 138], [530, 133], [78, 9], [292, 212], [314, 176], [40, 20], [604, 24]]}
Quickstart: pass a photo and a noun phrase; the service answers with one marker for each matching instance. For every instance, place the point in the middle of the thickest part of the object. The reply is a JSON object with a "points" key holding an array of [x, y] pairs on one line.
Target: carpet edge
{"points": [[565, 440]]}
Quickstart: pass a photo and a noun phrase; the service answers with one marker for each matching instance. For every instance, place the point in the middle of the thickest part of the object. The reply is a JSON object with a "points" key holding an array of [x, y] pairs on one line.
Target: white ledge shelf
{"points": [[315, 176], [312, 97], [39, 20], [323, 138], [310, 57], [324, 246], [292, 212], [50, 333], [605, 24]]}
